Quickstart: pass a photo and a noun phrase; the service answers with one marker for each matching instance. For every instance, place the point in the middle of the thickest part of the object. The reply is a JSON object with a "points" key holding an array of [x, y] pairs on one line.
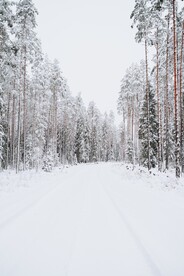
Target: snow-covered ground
{"points": [[91, 220]]}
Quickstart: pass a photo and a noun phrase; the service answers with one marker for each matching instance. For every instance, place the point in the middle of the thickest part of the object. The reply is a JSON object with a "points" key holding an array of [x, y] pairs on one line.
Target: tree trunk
{"points": [[133, 140], [158, 108], [181, 103], [24, 110], [19, 117], [8, 131], [167, 100], [18, 133], [148, 104], [13, 134], [125, 140], [177, 140]]}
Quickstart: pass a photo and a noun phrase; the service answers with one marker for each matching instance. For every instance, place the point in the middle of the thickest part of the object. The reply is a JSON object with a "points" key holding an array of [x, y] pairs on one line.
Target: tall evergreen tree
{"points": [[142, 18], [153, 126]]}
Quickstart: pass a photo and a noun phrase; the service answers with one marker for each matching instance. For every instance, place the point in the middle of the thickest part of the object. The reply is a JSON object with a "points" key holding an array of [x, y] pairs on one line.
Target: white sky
{"points": [[94, 43]]}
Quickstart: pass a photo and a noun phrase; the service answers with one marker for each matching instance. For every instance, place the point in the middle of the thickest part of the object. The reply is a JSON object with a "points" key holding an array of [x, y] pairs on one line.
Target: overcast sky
{"points": [[94, 43]]}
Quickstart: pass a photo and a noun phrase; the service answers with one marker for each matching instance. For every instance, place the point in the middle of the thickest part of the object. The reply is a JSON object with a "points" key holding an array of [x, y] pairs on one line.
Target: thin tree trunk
{"points": [[148, 104], [18, 133], [137, 114], [34, 145], [125, 140], [158, 108], [133, 132], [24, 111], [167, 100], [13, 134], [181, 103], [55, 127], [129, 120], [8, 131], [19, 117], [177, 140]]}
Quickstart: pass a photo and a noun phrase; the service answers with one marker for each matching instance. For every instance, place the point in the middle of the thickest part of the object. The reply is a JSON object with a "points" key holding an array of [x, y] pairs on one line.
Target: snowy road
{"points": [[93, 221]]}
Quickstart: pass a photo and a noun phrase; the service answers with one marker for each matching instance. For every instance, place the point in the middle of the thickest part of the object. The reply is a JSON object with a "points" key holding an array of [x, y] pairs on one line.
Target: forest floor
{"points": [[91, 220]]}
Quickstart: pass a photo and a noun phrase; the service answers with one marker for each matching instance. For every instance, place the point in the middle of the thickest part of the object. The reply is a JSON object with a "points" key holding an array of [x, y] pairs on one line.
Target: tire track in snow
{"points": [[154, 268], [73, 244]]}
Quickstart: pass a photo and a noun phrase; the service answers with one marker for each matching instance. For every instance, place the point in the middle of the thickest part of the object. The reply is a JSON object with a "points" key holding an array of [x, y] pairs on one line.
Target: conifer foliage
{"points": [[153, 130]]}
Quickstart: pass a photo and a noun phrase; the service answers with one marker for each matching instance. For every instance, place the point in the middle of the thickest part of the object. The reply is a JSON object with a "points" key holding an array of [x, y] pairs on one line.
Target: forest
{"points": [[43, 125], [151, 99], [85, 192]]}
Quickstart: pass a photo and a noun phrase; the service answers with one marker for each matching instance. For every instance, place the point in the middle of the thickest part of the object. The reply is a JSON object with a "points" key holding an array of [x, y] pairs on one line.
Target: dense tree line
{"points": [[151, 101], [41, 123]]}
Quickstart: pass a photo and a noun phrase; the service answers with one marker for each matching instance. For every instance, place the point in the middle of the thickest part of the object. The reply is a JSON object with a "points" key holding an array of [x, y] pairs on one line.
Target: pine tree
{"points": [[142, 17], [153, 126]]}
